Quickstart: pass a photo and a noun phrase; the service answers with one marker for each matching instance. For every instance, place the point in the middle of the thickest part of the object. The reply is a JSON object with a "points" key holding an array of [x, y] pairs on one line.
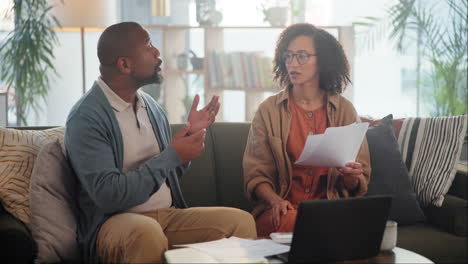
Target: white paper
{"points": [[334, 148], [234, 248]]}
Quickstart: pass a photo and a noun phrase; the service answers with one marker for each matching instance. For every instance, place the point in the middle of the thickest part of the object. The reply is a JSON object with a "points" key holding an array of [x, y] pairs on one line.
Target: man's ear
{"points": [[124, 65]]}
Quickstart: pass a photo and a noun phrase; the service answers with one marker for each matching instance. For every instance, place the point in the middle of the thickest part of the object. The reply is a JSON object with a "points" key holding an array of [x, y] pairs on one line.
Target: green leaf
{"points": [[27, 53]]}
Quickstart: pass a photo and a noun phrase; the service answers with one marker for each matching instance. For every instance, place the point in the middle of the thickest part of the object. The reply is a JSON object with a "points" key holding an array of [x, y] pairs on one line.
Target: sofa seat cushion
{"points": [[451, 216], [433, 243], [18, 151]]}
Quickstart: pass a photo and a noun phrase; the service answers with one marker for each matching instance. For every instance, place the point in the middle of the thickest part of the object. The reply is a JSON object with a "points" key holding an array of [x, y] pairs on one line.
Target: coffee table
{"points": [[397, 255]]}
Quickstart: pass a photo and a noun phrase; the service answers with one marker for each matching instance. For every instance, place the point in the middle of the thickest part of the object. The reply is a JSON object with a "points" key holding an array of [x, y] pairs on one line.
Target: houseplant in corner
{"points": [[438, 29], [27, 54]]}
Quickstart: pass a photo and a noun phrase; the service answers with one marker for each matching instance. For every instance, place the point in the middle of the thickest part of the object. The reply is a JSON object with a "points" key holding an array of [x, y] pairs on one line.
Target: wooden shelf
{"points": [[185, 71], [255, 89], [177, 40], [165, 27]]}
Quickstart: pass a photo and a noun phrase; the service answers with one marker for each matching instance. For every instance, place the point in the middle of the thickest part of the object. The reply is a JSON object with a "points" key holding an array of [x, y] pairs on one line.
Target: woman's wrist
{"points": [[351, 184], [266, 193], [274, 200]]}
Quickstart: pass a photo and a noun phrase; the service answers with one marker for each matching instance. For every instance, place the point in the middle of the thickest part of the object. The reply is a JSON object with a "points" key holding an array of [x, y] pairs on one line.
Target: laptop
{"points": [[336, 230]]}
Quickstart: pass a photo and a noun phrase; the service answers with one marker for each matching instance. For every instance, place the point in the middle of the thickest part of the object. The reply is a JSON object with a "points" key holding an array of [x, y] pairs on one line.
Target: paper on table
{"points": [[234, 248], [335, 147]]}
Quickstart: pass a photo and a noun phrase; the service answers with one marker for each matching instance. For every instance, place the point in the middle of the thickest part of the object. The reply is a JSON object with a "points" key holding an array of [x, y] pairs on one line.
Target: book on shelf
{"points": [[245, 70]]}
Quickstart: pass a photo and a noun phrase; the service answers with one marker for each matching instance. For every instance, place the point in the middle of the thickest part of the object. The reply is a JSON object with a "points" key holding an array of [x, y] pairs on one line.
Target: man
{"points": [[118, 141]]}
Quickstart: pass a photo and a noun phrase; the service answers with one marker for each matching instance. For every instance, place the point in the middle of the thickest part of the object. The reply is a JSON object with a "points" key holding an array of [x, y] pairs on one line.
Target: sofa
{"points": [[215, 179]]}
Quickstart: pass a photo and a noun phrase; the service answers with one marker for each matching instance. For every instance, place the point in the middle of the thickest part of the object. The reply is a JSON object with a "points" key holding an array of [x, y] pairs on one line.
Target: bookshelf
{"points": [[235, 59]]}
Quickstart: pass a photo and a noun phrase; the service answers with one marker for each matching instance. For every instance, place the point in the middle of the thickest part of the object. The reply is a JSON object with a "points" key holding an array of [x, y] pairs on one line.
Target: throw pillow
{"points": [[389, 174], [431, 148], [53, 207], [18, 151], [396, 123]]}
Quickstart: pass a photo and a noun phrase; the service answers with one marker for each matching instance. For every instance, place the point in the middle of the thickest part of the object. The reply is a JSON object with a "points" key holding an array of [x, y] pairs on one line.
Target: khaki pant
{"points": [[143, 238]]}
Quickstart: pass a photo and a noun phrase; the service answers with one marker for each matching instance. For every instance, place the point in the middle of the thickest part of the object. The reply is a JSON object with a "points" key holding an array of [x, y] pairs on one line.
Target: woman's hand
{"points": [[351, 174], [279, 207]]}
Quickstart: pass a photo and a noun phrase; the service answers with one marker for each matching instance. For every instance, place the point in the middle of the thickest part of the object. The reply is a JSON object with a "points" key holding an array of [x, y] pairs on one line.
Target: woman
{"points": [[311, 66]]}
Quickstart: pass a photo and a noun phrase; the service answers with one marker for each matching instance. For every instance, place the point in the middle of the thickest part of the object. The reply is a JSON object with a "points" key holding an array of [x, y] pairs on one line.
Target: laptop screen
{"points": [[342, 229]]}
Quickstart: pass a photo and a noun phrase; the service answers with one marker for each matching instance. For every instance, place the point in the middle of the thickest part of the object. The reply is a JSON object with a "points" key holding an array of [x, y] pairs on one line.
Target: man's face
{"points": [[146, 61]]}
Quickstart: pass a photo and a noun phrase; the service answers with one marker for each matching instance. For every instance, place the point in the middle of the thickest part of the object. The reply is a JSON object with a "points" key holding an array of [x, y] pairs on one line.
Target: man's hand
{"points": [[351, 174], [204, 117], [189, 147]]}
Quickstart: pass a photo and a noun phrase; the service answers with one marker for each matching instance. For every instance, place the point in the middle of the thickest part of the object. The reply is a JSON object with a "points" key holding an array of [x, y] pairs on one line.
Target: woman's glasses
{"points": [[302, 57]]}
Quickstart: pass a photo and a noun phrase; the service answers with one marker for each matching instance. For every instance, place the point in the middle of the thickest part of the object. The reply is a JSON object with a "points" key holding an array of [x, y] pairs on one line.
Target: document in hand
{"points": [[335, 147]]}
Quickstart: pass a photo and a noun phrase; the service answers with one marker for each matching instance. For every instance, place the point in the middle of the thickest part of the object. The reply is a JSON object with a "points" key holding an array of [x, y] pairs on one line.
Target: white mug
{"points": [[390, 236]]}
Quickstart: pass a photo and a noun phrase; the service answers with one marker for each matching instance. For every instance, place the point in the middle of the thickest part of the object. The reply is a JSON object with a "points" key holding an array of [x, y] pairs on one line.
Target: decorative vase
{"points": [[277, 16]]}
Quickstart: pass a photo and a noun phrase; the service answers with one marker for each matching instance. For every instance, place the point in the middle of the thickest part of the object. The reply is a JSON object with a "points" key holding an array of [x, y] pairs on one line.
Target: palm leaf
{"points": [[27, 54]]}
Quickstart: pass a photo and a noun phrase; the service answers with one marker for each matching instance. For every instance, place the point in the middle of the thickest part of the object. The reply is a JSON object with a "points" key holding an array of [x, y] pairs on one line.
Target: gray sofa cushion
{"points": [[199, 183], [389, 174], [215, 177], [53, 206], [229, 145]]}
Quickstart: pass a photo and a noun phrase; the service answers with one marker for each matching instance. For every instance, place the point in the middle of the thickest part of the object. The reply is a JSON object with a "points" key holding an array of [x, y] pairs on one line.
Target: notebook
{"points": [[335, 230]]}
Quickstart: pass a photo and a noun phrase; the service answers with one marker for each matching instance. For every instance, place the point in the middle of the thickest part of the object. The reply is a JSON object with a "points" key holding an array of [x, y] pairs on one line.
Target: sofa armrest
{"points": [[16, 242], [452, 216]]}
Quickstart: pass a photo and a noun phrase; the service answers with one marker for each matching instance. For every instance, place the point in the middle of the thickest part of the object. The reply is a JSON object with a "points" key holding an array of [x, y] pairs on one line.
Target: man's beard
{"points": [[156, 78]]}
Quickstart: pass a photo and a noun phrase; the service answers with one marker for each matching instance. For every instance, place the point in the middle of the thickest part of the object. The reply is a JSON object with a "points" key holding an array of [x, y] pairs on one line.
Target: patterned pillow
{"points": [[431, 148], [18, 151]]}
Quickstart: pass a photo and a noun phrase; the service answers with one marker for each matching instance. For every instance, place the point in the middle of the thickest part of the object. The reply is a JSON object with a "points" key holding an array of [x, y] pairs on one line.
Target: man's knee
{"points": [[132, 238], [149, 241], [148, 230], [242, 221]]}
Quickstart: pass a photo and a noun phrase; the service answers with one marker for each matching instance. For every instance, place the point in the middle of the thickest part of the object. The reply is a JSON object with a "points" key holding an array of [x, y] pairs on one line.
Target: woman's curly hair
{"points": [[333, 65]]}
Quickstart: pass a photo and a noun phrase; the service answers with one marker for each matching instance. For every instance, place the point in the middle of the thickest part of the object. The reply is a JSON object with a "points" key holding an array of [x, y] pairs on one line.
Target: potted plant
{"points": [[276, 14], [27, 54], [441, 41]]}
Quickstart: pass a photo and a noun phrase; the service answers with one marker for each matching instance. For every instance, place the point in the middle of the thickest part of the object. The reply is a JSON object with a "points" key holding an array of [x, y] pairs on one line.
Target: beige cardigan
{"points": [[266, 159]]}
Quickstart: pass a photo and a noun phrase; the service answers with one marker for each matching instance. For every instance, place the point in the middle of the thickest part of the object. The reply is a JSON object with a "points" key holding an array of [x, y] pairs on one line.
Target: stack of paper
{"points": [[228, 250], [334, 148]]}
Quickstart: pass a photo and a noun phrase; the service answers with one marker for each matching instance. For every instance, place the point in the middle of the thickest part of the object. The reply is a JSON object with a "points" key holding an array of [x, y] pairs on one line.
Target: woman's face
{"points": [[301, 61]]}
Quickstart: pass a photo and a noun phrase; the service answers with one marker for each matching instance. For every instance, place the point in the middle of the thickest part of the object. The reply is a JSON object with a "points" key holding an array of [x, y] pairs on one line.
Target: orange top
{"points": [[308, 182]]}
